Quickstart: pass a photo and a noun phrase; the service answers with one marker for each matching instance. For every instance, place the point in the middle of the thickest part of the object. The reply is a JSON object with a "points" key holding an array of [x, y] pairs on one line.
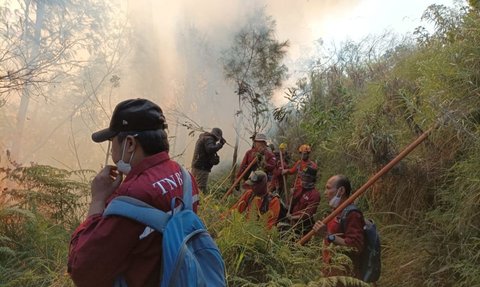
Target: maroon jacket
{"points": [[307, 204], [103, 248]]}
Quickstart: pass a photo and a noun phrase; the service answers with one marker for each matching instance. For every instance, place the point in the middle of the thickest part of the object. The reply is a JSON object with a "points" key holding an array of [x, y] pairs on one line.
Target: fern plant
{"points": [[37, 217]]}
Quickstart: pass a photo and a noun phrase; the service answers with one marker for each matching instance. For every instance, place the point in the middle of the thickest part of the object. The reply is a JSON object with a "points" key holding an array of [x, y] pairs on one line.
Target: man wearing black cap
{"points": [[205, 156], [103, 249]]}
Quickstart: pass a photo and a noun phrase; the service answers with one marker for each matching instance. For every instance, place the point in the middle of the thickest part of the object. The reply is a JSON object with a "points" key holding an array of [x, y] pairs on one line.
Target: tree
{"points": [[48, 44], [253, 63]]}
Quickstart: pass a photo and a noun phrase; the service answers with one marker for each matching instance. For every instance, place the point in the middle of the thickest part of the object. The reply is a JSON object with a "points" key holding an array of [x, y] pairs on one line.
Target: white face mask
{"points": [[335, 201], [122, 166]]}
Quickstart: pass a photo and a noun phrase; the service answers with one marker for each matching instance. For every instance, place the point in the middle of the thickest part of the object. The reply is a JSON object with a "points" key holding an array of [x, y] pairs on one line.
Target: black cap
{"points": [[132, 115], [217, 132], [310, 171]]}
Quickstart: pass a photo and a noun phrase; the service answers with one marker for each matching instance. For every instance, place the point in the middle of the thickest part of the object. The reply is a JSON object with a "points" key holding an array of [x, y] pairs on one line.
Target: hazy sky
{"points": [[175, 59], [374, 16], [301, 22]]}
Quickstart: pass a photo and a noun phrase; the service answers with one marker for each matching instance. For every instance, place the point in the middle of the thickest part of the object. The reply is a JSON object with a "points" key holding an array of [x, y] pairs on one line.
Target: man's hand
{"points": [[103, 185], [319, 227], [222, 141], [259, 157]]}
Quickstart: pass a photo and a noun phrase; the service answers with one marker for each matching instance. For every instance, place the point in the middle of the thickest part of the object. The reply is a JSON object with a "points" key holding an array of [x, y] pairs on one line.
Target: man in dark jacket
{"points": [[205, 156]]}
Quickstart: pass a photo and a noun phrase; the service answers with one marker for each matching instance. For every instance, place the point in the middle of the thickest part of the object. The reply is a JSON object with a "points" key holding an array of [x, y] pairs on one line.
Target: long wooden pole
{"points": [[293, 188], [237, 180], [371, 181]]}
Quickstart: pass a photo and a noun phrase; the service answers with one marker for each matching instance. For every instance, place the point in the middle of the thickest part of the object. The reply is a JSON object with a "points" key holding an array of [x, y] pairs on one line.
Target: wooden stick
{"points": [[230, 190], [293, 188], [371, 181]]}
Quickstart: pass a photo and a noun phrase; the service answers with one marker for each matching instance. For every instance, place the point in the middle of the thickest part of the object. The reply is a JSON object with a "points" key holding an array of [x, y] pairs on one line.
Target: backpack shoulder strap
{"points": [[345, 212], [187, 189], [249, 199], [265, 203], [138, 210]]}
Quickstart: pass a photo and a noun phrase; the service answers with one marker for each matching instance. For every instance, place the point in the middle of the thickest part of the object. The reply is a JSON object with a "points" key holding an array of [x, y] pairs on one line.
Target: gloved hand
{"points": [[222, 141], [259, 157]]}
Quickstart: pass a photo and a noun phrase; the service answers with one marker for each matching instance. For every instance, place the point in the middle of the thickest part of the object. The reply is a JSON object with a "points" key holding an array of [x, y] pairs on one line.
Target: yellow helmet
{"points": [[282, 146], [304, 148]]}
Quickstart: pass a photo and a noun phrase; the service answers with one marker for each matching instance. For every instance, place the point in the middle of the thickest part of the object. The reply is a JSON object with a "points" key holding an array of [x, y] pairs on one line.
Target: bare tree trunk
{"points": [[234, 159], [22, 111], [174, 143], [238, 125]]}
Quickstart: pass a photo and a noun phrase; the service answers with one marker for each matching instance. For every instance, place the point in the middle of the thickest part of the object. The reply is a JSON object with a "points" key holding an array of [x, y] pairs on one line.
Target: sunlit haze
{"points": [[174, 60]]}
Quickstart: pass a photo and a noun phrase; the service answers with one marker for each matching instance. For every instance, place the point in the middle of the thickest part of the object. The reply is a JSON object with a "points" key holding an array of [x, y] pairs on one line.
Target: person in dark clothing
{"points": [[205, 156]]}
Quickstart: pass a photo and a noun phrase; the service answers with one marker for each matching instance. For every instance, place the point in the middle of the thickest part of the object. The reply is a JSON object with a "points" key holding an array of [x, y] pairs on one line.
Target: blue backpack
{"points": [[190, 257], [370, 258]]}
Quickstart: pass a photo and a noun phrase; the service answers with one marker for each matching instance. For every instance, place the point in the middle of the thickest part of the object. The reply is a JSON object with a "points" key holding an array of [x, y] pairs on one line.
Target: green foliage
{"points": [[458, 203], [55, 193], [36, 221], [427, 206], [36, 231], [256, 256]]}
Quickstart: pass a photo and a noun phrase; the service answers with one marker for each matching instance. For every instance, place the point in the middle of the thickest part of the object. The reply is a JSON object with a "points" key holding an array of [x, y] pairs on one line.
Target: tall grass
{"points": [[36, 227]]}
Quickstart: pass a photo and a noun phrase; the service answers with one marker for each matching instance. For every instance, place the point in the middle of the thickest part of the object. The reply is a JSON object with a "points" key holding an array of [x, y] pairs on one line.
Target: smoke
{"points": [[176, 60], [173, 58]]}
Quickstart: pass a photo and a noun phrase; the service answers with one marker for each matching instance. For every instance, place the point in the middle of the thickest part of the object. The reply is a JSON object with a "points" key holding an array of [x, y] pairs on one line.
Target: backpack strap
{"points": [[138, 210], [265, 203], [249, 199], [344, 214], [187, 189]]}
